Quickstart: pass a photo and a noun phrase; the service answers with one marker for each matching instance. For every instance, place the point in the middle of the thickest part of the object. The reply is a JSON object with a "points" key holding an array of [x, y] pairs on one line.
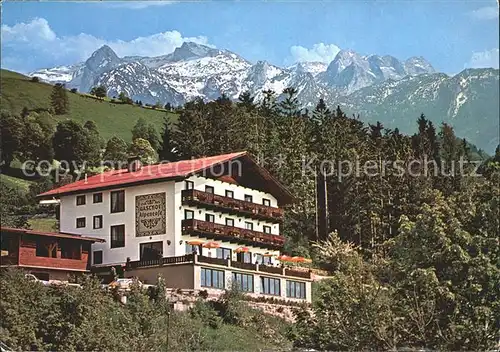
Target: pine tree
{"points": [[246, 101], [59, 99], [168, 149]]}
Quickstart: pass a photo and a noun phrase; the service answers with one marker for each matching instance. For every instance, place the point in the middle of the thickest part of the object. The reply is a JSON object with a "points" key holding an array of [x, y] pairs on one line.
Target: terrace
{"points": [[303, 273]]}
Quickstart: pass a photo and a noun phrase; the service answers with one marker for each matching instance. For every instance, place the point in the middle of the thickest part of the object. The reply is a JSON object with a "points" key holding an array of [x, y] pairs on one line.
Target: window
{"points": [[70, 249], [188, 214], [229, 193], [223, 253], [210, 217], [80, 200], [229, 222], [249, 225], [244, 257], [97, 197], [270, 286], [97, 222], [188, 185], [117, 236], [117, 201], [296, 289], [244, 281], [80, 222], [209, 189], [151, 250], [97, 255], [191, 249], [45, 248], [212, 278], [264, 260], [266, 202], [267, 229], [248, 198]]}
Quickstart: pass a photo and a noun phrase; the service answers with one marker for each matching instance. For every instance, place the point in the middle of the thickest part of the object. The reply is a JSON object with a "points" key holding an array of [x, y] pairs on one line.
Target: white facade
{"points": [[173, 241]]}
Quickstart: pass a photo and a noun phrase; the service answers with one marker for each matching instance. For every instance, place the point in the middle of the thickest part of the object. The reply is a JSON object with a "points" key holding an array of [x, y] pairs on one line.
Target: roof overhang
{"points": [[16, 231]]}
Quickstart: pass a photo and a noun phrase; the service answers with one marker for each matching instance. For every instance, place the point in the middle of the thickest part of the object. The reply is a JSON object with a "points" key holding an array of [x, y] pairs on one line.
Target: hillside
{"points": [[17, 92]]}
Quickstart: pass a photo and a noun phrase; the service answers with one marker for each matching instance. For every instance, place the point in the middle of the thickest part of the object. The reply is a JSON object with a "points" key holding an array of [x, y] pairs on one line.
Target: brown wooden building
{"points": [[47, 255]]}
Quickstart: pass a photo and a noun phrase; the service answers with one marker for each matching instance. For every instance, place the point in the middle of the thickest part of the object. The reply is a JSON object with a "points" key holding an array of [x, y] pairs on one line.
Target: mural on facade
{"points": [[150, 214]]}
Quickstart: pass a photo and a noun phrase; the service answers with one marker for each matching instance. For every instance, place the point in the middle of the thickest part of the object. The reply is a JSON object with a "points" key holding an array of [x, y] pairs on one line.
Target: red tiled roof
{"points": [[147, 173], [50, 234]]}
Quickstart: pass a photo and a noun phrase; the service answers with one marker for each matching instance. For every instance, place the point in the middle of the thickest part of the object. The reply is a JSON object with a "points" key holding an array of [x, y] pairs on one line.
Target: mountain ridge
{"points": [[380, 88]]}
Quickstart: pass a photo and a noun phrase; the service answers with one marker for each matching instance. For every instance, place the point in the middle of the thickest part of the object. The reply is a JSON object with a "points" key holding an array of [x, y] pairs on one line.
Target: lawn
{"points": [[19, 91]]}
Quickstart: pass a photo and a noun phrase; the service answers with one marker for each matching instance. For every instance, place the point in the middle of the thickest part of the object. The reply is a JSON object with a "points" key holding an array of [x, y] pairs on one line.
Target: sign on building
{"points": [[150, 214]]}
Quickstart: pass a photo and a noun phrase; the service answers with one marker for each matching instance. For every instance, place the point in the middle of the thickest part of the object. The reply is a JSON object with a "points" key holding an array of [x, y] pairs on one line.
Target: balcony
{"points": [[232, 206], [231, 234], [203, 260]]}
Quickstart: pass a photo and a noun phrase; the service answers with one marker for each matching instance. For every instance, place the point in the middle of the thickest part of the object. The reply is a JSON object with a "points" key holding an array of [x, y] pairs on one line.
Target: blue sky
{"points": [[452, 35]]}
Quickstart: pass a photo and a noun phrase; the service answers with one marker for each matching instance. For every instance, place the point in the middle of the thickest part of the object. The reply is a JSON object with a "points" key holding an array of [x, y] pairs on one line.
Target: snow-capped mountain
{"points": [[379, 88], [350, 71], [199, 71], [467, 101]]}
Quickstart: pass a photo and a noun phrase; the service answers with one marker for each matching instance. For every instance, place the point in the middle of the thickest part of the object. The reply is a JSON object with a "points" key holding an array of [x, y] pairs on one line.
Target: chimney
{"points": [[134, 164]]}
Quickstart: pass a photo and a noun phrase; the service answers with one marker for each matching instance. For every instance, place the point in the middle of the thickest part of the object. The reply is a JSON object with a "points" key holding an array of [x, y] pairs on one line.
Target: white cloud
{"points": [[319, 52], [137, 5], [485, 13], [28, 46], [37, 29], [487, 58]]}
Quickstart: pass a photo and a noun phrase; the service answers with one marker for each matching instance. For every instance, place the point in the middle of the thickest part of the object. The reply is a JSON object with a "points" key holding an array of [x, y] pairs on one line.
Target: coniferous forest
{"points": [[411, 240]]}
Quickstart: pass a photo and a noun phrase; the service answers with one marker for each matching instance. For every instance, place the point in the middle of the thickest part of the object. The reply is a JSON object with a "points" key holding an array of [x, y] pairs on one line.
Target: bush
{"points": [[35, 79], [74, 90]]}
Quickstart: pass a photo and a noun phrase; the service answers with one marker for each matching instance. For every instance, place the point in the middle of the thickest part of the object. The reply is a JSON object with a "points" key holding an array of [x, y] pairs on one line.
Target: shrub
{"points": [[74, 90], [35, 79]]}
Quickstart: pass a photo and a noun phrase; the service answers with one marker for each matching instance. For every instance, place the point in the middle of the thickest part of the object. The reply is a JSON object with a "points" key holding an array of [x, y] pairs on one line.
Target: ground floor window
{"points": [[117, 236], [151, 250], [46, 248], [70, 249], [244, 281], [212, 278], [270, 286], [296, 289], [97, 257]]}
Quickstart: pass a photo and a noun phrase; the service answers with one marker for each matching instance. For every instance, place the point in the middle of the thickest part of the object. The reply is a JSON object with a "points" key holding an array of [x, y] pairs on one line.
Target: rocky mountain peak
{"points": [[101, 59], [417, 65], [191, 50]]}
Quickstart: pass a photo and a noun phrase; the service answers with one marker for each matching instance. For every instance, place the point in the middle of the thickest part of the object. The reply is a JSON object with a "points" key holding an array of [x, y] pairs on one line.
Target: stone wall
{"points": [[183, 299]]}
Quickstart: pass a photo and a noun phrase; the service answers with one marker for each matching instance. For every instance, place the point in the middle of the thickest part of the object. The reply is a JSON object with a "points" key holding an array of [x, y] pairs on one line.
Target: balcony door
{"points": [[245, 257], [151, 250]]}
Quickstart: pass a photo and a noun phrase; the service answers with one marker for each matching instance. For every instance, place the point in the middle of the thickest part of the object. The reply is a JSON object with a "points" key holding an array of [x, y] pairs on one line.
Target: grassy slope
{"points": [[14, 182], [112, 119]]}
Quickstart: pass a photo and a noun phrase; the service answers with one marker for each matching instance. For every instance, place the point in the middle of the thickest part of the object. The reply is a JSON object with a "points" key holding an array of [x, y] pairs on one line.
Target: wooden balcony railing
{"points": [[231, 205], [246, 266], [210, 260], [271, 269], [203, 260], [160, 261], [236, 234]]}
